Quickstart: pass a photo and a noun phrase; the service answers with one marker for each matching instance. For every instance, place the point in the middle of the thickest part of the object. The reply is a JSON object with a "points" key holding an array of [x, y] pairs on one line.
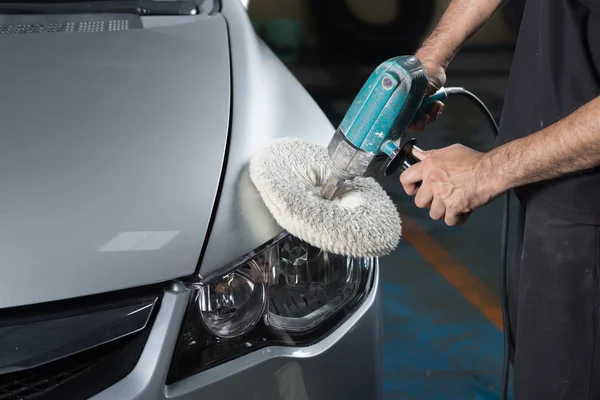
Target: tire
{"points": [[343, 33]]}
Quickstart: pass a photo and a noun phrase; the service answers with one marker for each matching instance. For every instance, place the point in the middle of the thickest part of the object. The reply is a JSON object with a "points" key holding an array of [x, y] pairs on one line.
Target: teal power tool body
{"points": [[370, 134]]}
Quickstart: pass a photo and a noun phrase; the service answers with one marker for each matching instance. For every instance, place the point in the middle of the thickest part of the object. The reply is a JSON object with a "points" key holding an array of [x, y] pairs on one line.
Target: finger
{"points": [[424, 196], [419, 124], [411, 177], [421, 154], [431, 115], [438, 209], [410, 188], [435, 111], [433, 85], [454, 218]]}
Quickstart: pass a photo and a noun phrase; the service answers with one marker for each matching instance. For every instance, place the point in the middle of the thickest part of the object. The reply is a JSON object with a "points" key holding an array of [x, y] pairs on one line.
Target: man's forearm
{"points": [[461, 20], [567, 146]]}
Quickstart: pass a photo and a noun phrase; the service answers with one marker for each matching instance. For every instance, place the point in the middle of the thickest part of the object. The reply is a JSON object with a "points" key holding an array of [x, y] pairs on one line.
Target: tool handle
{"points": [[402, 158], [440, 95], [385, 105]]}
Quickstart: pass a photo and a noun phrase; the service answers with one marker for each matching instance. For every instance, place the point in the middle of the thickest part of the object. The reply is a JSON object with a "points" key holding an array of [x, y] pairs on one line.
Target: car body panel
{"points": [[346, 364], [63, 234], [268, 102], [111, 152]]}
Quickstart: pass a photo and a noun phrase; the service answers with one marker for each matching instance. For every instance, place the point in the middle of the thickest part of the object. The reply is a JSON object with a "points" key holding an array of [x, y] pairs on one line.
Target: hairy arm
{"points": [[567, 146], [461, 20]]}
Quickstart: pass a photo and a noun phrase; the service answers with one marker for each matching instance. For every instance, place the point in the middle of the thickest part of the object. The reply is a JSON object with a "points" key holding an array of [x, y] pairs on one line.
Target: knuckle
{"points": [[451, 210], [432, 161], [435, 175], [420, 200], [406, 184], [409, 190], [419, 203], [435, 215], [430, 153], [451, 219]]}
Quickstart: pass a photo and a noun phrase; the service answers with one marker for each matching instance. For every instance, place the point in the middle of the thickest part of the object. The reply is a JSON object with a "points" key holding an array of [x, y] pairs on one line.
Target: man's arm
{"points": [[455, 180], [461, 20], [569, 145]]}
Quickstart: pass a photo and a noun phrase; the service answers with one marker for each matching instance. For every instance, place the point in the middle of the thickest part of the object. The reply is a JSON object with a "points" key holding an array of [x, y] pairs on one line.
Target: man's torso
{"points": [[556, 69]]}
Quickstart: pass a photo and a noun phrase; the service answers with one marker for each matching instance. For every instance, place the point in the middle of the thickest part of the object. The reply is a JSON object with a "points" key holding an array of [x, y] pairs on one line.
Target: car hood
{"points": [[111, 150]]}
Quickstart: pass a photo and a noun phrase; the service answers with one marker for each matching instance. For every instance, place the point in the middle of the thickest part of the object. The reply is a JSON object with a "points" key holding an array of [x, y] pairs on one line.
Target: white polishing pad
{"points": [[361, 222]]}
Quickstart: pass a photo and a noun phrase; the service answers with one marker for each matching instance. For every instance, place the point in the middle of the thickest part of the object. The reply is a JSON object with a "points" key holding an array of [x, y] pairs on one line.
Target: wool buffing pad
{"points": [[361, 222]]}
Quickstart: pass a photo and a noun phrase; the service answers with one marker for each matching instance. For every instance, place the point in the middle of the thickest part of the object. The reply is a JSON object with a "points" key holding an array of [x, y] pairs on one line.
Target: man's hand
{"points": [[437, 79], [451, 182]]}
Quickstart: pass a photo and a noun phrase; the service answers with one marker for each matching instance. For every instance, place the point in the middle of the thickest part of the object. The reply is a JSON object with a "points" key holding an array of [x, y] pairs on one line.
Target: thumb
{"points": [[421, 154]]}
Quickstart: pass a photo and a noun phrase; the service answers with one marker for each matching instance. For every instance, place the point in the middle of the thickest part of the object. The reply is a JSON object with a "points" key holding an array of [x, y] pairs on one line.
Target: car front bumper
{"points": [[347, 364]]}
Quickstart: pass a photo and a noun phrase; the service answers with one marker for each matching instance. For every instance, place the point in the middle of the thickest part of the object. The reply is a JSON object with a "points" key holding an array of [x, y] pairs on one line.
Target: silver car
{"points": [[137, 259]]}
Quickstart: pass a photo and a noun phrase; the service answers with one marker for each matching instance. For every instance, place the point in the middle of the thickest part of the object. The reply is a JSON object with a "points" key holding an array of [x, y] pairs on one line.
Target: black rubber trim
{"points": [[110, 371], [215, 207], [74, 306], [27, 344], [80, 376]]}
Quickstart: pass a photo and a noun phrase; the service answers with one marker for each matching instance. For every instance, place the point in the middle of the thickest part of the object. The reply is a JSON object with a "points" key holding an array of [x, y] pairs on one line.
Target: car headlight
{"points": [[285, 293], [233, 304]]}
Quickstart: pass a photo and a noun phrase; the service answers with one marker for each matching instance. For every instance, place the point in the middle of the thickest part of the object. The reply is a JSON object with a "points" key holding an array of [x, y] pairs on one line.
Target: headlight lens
{"points": [[286, 293], [232, 305], [307, 286]]}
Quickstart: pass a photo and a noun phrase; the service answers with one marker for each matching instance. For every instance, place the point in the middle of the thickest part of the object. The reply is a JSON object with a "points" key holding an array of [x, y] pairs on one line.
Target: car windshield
{"points": [[140, 7]]}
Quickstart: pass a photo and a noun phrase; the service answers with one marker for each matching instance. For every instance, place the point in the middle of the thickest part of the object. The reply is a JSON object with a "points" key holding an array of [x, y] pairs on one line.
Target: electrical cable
{"points": [[503, 245]]}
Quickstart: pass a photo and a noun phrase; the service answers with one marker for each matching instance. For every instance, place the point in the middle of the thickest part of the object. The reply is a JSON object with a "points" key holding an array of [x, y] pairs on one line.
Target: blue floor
{"points": [[437, 343]]}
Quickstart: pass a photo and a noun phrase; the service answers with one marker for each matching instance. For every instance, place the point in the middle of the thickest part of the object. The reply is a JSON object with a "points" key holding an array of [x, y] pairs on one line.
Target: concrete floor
{"points": [[443, 327]]}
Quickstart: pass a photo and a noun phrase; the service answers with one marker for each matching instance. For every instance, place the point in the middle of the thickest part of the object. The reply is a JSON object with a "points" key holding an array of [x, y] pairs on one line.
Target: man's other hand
{"points": [[451, 182], [437, 79]]}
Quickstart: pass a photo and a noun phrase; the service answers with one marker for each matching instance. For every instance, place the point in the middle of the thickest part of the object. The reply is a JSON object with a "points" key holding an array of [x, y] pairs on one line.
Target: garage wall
{"points": [[493, 33]]}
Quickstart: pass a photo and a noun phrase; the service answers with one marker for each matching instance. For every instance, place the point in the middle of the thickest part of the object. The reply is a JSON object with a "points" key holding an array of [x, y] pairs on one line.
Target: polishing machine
{"points": [[369, 140], [370, 134]]}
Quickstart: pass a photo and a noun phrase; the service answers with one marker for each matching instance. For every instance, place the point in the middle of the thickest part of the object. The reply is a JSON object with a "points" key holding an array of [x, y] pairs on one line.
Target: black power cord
{"points": [[503, 245], [403, 159]]}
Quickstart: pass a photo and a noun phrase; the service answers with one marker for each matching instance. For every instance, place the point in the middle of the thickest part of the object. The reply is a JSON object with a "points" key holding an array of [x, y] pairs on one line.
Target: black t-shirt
{"points": [[556, 69]]}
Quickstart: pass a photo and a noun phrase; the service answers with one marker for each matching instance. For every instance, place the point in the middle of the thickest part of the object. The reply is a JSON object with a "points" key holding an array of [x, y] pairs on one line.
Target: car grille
{"points": [[36, 385], [78, 375], [32, 24]]}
